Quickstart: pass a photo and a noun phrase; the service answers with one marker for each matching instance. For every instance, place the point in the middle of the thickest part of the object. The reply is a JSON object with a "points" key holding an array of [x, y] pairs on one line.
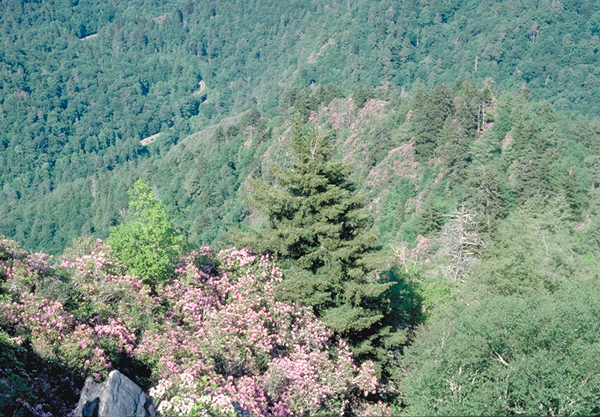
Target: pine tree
{"points": [[430, 115], [486, 198], [456, 153], [317, 229], [430, 218], [362, 95], [572, 195], [531, 165]]}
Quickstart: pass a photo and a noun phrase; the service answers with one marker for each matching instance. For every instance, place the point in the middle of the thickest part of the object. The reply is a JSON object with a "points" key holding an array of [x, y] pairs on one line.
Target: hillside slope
{"points": [[74, 107]]}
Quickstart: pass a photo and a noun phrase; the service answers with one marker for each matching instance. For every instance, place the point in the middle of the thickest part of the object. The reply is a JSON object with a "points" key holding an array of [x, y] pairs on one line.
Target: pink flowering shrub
{"points": [[77, 315], [28, 383], [101, 289], [211, 340], [227, 341], [20, 271], [54, 333]]}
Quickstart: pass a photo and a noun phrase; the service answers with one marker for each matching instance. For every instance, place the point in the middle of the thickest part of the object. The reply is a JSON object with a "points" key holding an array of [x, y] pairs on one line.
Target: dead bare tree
{"points": [[460, 243]]}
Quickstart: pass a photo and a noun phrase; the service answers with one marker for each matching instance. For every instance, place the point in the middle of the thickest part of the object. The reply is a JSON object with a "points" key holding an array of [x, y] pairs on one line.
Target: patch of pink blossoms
{"points": [[230, 337]]}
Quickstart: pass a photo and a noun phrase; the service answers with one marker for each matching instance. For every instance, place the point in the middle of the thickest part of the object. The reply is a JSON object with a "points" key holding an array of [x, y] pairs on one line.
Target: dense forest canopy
{"points": [[74, 107]]}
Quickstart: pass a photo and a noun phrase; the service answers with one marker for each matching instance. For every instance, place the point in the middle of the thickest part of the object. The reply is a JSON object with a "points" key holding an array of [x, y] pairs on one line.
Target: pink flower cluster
{"points": [[101, 283], [78, 339], [399, 163], [54, 333], [214, 335], [228, 335], [20, 271]]}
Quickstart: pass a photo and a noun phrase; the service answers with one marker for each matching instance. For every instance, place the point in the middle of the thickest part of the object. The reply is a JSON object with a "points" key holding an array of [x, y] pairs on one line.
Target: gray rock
{"points": [[118, 396]]}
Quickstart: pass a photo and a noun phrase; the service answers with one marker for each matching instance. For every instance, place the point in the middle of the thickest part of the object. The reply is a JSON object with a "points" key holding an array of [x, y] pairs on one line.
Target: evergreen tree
{"points": [[362, 95], [430, 115], [430, 218], [485, 148], [572, 195], [486, 198], [316, 227], [455, 154], [532, 162]]}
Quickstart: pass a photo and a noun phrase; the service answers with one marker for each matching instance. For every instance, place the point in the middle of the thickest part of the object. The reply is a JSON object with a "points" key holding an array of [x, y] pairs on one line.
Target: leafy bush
{"points": [[532, 356]]}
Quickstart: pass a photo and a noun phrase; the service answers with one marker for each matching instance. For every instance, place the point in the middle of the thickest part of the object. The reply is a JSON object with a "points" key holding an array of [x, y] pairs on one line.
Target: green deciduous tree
{"points": [[146, 242]]}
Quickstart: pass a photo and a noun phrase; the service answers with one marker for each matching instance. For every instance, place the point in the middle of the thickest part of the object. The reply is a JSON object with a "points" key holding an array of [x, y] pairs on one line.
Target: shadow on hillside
{"points": [[31, 385]]}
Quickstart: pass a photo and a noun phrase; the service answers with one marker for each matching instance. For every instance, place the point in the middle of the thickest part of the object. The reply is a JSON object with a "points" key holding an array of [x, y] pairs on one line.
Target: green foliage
{"points": [[572, 195], [430, 218], [531, 356], [455, 154], [486, 197], [21, 370], [362, 94], [73, 110], [522, 164], [530, 165], [431, 112], [303, 100], [146, 243], [534, 251], [316, 226]]}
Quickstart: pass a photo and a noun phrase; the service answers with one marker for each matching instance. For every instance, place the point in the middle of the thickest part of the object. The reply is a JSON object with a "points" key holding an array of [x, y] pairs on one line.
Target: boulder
{"points": [[117, 396]]}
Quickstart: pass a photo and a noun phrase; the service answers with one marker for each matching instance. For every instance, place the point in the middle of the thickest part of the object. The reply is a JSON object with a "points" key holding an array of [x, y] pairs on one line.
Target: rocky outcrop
{"points": [[117, 396]]}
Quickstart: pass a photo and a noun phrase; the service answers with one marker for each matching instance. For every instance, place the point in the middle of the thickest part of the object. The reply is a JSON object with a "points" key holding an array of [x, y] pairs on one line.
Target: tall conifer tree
{"points": [[430, 115], [316, 227], [486, 197]]}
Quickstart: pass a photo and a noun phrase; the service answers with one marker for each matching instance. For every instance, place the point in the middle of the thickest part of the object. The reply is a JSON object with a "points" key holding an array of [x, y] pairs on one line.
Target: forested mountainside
{"points": [[83, 82], [474, 291], [349, 208]]}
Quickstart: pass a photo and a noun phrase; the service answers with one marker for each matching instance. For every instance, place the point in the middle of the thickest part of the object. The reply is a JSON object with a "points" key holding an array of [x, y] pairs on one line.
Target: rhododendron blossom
{"points": [[265, 356], [213, 336]]}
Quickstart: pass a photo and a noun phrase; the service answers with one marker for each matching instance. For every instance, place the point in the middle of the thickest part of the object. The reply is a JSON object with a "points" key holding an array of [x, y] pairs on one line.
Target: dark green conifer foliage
{"points": [[430, 218], [532, 161], [316, 227], [456, 153], [572, 195], [430, 115], [362, 95]]}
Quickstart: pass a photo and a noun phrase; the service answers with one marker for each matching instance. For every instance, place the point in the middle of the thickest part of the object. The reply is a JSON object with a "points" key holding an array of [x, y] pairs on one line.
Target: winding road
{"points": [[201, 86]]}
